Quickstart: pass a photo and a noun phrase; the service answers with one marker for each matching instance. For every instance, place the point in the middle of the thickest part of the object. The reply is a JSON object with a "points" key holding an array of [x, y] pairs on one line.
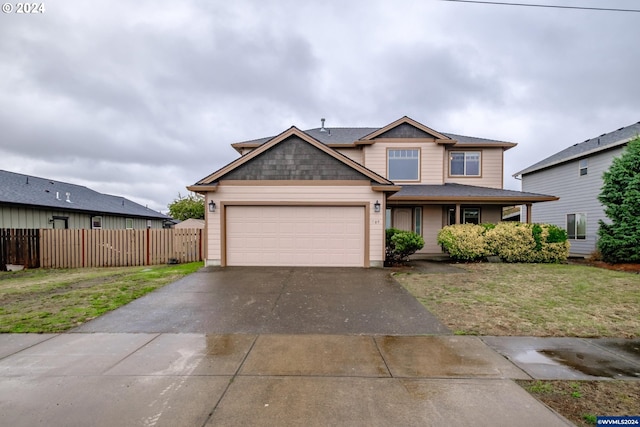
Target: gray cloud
{"points": [[141, 99]]}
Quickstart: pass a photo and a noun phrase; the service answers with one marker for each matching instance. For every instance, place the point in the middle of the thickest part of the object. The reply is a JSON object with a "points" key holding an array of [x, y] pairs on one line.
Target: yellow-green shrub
{"points": [[511, 241], [464, 242]]}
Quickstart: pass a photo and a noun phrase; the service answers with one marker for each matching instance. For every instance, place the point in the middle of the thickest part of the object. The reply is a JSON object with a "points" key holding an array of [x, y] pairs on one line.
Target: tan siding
{"points": [[354, 154], [299, 195], [491, 213], [492, 168], [431, 155]]}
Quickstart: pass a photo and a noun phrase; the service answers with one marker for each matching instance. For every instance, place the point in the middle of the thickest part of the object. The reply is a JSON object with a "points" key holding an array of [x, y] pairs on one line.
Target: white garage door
{"points": [[295, 236]]}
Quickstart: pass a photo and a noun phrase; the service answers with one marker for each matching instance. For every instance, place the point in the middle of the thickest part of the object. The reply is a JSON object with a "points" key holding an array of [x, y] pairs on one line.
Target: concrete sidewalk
{"points": [[108, 379]]}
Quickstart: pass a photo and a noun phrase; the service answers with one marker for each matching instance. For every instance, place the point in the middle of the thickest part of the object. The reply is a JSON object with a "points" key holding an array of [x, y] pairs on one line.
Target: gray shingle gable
{"points": [[27, 190], [294, 159], [600, 143]]}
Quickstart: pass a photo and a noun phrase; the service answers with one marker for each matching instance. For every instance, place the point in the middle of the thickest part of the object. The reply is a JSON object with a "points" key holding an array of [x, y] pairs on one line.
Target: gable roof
{"points": [[352, 136], [468, 193], [27, 190], [208, 183], [406, 120], [606, 141]]}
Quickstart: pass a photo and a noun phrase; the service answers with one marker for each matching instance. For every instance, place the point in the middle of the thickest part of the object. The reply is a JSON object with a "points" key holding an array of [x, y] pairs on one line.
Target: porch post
{"points": [[457, 213], [528, 213]]}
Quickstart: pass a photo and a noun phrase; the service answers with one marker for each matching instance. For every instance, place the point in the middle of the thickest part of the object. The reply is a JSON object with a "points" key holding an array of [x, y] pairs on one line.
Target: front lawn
{"points": [[42, 300], [531, 300]]}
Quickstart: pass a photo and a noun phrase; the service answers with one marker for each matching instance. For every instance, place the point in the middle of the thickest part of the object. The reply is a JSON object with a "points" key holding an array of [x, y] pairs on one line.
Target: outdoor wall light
{"points": [[376, 206], [212, 206]]}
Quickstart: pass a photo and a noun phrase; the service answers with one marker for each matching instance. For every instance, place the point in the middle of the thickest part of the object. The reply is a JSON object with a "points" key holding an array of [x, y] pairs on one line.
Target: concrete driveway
{"points": [[256, 300]]}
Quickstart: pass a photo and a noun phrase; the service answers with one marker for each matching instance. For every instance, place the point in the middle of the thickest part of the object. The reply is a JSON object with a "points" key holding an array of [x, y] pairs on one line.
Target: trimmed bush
{"points": [[401, 244], [511, 241], [464, 242]]}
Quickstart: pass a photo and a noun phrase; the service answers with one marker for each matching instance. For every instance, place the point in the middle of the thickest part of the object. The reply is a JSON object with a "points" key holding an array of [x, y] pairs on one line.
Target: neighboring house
{"points": [[30, 202], [323, 197], [575, 175], [190, 223]]}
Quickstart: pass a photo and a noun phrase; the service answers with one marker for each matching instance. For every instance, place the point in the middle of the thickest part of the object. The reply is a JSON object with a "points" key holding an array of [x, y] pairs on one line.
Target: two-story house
{"points": [[575, 175], [323, 197]]}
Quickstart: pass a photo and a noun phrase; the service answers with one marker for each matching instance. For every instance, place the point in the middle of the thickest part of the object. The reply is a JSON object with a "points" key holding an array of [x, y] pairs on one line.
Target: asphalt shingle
{"points": [[33, 191]]}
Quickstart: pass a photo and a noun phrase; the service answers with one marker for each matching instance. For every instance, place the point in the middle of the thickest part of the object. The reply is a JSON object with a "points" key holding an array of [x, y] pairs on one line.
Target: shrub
{"points": [[464, 242], [401, 244], [511, 241]]}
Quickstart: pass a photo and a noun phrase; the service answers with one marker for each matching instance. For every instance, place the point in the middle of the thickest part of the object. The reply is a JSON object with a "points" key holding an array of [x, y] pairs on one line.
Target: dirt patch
{"points": [[630, 268], [582, 401]]}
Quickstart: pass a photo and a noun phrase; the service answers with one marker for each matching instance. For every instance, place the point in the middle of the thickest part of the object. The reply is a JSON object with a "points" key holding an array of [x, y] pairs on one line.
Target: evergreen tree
{"points": [[184, 208], [619, 239]]}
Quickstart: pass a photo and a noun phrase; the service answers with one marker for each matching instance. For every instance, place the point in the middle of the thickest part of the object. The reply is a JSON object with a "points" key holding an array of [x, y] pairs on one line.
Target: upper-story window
{"points": [[403, 165], [464, 163], [584, 164]]}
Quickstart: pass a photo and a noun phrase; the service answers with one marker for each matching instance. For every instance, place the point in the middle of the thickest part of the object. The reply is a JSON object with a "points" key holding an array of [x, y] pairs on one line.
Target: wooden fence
{"points": [[115, 248], [19, 247]]}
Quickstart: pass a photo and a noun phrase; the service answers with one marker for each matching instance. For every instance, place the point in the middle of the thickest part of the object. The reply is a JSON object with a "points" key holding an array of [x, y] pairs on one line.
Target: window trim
{"points": [[465, 152], [419, 167], [582, 168], [128, 223], [575, 230]]}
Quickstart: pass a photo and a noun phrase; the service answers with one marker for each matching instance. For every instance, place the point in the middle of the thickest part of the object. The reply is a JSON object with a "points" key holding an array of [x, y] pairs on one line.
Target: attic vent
{"points": [[322, 128], [68, 197]]}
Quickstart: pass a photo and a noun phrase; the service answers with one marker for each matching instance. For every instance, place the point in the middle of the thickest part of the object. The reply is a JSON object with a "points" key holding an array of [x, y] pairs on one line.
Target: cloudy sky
{"points": [[141, 99]]}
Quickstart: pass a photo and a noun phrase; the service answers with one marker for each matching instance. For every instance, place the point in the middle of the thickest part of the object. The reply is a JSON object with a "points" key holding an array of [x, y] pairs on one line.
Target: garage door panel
{"points": [[295, 235]]}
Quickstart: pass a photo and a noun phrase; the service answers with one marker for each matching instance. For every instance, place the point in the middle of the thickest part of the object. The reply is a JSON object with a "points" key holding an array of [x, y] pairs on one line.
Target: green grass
{"points": [[42, 300], [531, 299]]}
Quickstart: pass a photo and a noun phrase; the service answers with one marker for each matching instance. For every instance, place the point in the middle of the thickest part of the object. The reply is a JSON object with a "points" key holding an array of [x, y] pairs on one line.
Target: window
{"points": [[387, 219], [584, 163], [464, 163], [417, 221], [128, 223], [96, 222], [471, 216], [577, 226], [403, 165]]}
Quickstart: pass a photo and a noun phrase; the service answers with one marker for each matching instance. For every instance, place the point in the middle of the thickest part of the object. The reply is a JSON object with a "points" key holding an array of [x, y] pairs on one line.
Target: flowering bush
{"points": [[511, 241]]}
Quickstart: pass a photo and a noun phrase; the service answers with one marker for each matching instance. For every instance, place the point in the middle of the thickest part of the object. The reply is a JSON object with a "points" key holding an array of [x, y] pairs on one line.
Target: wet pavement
{"points": [[571, 358], [107, 379], [254, 300], [236, 347]]}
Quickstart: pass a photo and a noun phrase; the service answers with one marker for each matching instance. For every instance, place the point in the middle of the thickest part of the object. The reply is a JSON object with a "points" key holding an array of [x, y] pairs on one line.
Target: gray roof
{"points": [[461, 192], [350, 135], [32, 191], [605, 141]]}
